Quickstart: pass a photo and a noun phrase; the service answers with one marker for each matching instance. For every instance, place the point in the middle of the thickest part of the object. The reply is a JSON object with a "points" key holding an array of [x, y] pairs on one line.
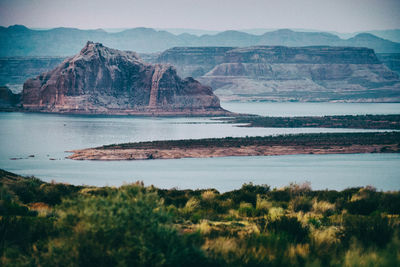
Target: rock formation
{"points": [[101, 80], [280, 73], [8, 100]]}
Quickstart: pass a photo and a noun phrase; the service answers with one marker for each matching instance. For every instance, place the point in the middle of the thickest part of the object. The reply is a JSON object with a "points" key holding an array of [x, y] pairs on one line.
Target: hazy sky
{"points": [[331, 15]]}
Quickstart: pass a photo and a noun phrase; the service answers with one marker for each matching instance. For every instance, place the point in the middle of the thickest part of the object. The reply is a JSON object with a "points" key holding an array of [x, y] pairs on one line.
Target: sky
{"points": [[327, 15]]}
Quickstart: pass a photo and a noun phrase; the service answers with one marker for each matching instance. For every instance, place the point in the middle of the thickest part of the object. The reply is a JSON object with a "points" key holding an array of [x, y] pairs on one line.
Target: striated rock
{"points": [[193, 61], [279, 73], [101, 80]]}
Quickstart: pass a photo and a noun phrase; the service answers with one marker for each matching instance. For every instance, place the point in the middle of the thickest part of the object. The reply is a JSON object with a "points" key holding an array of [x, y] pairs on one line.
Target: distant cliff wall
{"points": [[279, 73]]}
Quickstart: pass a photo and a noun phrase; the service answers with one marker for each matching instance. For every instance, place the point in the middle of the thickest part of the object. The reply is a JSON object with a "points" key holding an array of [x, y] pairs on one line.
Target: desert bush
{"points": [[282, 195], [323, 207], [18, 233], [290, 229], [262, 206], [325, 244], [127, 227], [246, 209], [301, 203], [369, 230], [208, 195], [248, 193], [34, 190], [390, 203], [356, 255], [362, 206]]}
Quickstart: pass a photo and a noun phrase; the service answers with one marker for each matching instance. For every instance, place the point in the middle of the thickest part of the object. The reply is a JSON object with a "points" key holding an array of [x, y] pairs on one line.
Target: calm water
{"points": [[323, 171], [48, 136]]}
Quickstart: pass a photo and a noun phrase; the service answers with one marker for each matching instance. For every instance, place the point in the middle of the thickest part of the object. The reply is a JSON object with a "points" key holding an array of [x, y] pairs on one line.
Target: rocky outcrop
{"points": [[8, 100], [279, 73], [392, 61], [101, 80]]}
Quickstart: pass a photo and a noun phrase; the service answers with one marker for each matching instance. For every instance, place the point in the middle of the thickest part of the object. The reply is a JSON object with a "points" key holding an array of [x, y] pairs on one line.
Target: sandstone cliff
{"points": [[288, 73], [101, 80]]}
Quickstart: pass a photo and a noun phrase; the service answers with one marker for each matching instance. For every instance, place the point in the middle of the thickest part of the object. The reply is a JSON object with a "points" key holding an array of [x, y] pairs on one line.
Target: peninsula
{"points": [[323, 143]]}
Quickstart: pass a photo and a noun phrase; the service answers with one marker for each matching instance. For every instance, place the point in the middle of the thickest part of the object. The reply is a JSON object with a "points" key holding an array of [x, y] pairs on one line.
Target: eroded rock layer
{"points": [[101, 80], [280, 73]]}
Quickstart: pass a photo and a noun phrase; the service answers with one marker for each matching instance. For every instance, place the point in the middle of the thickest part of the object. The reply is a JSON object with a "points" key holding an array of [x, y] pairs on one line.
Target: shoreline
{"points": [[328, 143]]}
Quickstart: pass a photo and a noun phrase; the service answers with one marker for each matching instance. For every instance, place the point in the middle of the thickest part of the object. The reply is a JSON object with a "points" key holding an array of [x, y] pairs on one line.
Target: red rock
{"points": [[101, 80]]}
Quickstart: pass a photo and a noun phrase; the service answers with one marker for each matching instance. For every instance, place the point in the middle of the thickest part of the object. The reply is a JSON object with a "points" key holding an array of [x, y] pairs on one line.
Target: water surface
{"points": [[227, 173], [290, 109], [47, 137]]}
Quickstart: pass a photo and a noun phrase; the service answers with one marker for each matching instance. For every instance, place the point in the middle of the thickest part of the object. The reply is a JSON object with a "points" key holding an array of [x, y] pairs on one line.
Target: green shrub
{"points": [[126, 227], [301, 203], [369, 230], [289, 228], [248, 193], [246, 210]]}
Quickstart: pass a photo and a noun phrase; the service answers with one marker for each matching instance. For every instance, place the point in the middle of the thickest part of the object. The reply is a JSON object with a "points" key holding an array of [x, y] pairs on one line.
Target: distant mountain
{"points": [[18, 40], [391, 35], [178, 31], [291, 38], [369, 40]]}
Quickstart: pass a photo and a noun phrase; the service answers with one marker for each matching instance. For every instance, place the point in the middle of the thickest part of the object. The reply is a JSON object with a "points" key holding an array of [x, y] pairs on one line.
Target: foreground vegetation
{"points": [[50, 224], [345, 121]]}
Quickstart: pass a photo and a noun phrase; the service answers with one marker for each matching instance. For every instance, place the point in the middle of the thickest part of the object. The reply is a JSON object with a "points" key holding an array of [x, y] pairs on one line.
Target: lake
{"points": [[47, 137]]}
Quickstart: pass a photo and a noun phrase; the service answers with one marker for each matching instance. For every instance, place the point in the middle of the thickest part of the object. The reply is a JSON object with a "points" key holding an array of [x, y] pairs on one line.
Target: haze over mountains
{"points": [[19, 40]]}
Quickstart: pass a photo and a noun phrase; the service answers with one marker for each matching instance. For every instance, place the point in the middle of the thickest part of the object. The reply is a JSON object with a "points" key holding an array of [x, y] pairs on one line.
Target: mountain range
{"points": [[19, 40]]}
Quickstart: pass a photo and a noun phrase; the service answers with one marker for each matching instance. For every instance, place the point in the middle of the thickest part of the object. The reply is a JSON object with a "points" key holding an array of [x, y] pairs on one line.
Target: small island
{"points": [[321, 143]]}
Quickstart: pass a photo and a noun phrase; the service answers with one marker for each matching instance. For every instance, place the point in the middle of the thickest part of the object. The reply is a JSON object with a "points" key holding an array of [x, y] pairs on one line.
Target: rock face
{"points": [[100, 80], [279, 73]]}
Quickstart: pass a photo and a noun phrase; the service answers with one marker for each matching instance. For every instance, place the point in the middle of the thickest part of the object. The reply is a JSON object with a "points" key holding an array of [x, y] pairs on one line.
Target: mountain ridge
{"points": [[18, 40]]}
